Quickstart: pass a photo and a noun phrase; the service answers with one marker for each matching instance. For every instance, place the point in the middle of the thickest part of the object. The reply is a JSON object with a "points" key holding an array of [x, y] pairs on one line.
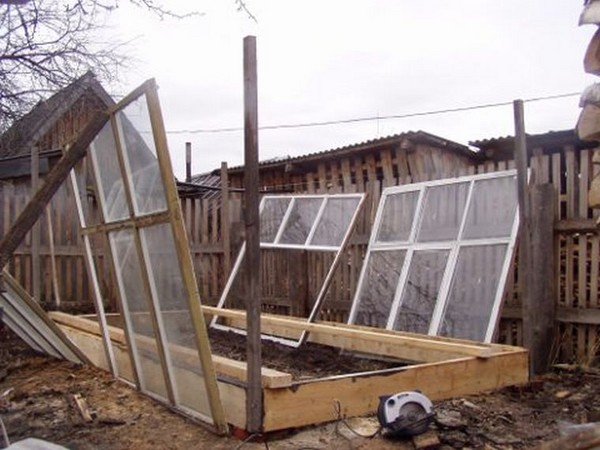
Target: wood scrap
{"points": [[82, 407], [427, 440]]}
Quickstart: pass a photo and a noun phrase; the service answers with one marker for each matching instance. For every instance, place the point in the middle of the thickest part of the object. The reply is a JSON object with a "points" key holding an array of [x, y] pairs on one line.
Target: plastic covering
{"points": [[438, 257]]}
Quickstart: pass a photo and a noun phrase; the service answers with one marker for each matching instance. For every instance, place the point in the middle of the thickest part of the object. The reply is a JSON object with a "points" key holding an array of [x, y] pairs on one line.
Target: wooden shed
{"points": [[49, 264]]}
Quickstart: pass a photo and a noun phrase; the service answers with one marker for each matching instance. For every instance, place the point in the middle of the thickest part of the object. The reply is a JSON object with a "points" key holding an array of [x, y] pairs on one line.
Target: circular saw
{"points": [[406, 413]]}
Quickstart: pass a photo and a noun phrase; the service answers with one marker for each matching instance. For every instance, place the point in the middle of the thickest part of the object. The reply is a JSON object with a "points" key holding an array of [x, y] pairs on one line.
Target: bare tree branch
{"points": [[47, 44]]}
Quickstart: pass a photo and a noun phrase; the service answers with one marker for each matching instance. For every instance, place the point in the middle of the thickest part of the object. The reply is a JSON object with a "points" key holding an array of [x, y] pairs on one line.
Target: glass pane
{"points": [[492, 208], [301, 219], [397, 217], [379, 287], [473, 291], [442, 212], [136, 310], [421, 291], [171, 295], [335, 221], [108, 175], [271, 216], [140, 157]]}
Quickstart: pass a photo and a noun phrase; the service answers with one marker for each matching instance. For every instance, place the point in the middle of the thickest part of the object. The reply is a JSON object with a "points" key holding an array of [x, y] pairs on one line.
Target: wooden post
{"points": [[225, 219], [524, 262], [188, 162], [35, 231], [254, 400], [54, 179], [540, 288]]}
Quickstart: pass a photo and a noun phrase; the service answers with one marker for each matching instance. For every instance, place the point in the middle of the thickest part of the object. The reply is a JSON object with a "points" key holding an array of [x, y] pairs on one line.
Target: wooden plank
{"points": [[358, 394], [417, 343], [36, 269], [225, 219], [184, 258]]}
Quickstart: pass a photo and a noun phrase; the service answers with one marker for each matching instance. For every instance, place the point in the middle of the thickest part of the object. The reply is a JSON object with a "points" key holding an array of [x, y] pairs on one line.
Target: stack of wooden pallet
{"points": [[588, 126]]}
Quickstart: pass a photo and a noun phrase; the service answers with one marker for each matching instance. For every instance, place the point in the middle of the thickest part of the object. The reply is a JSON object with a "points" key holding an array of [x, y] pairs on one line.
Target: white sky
{"points": [[330, 60]]}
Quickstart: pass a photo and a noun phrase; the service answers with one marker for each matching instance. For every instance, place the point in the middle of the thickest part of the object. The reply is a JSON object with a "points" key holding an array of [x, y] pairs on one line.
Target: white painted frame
{"points": [[453, 246], [306, 246]]}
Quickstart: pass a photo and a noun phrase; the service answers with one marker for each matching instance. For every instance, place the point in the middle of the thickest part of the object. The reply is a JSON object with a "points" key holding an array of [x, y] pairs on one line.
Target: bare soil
{"points": [[36, 400], [308, 361]]}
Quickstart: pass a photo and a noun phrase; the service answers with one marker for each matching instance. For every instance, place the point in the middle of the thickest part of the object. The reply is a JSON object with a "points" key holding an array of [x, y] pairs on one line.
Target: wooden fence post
{"points": [[225, 220], [541, 306], [254, 400]]}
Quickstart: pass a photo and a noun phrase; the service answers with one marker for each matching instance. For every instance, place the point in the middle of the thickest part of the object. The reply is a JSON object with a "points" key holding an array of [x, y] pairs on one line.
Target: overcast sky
{"points": [[333, 60]]}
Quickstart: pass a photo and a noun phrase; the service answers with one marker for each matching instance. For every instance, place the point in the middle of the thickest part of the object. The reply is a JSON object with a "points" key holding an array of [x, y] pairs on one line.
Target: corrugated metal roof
{"points": [[550, 136], [413, 136]]}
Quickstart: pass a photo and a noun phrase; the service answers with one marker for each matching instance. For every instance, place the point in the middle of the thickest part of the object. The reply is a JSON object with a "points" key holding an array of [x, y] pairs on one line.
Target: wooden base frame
{"points": [[446, 368]]}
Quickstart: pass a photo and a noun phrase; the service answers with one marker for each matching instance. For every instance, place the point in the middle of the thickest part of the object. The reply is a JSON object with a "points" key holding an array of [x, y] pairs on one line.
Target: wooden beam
{"points": [[576, 226], [226, 367], [254, 402], [540, 288], [225, 220], [524, 261], [346, 336], [36, 268], [358, 394], [14, 236]]}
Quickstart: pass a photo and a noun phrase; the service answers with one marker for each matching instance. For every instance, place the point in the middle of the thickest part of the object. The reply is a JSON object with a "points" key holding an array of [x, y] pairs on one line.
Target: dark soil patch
{"points": [[309, 361]]}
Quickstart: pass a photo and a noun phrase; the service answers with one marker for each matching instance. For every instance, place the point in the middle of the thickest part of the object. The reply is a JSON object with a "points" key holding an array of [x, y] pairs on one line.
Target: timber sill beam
{"points": [[373, 337], [223, 366]]}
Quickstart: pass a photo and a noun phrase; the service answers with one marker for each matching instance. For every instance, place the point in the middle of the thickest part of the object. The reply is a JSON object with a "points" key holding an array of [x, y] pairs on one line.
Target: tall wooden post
{"points": [[188, 162], [535, 255], [36, 267], [254, 400], [524, 266]]}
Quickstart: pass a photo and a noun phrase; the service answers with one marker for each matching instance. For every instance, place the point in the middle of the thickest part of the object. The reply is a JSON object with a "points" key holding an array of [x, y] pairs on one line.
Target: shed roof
{"points": [[552, 141], [415, 137], [26, 131]]}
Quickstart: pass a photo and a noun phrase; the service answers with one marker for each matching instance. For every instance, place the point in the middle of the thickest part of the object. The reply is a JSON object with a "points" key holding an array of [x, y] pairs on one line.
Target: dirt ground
{"points": [[37, 399]]}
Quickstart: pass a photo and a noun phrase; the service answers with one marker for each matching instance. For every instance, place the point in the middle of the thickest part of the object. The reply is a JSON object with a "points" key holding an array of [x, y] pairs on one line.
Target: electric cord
{"points": [[340, 419]]}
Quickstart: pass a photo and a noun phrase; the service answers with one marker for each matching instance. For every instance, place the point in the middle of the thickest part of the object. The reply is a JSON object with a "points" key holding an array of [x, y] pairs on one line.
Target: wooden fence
{"points": [[290, 282]]}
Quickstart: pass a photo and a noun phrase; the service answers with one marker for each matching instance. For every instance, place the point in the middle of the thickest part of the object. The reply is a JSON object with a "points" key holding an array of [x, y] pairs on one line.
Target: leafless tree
{"points": [[46, 44]]}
